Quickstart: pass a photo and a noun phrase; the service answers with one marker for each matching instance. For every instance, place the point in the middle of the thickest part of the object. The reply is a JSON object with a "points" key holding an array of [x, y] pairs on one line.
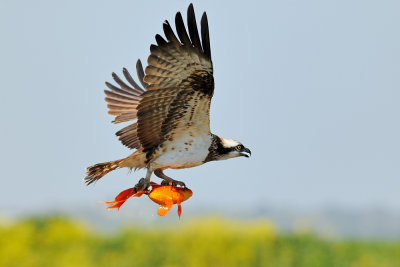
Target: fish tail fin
{"points": [[121, 198]]}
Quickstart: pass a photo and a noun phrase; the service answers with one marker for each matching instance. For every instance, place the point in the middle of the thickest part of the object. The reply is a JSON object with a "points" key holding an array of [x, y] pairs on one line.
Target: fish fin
{"points": [[124, 195], [179, 211], [121, 198], [163, 209], [113, 204]]}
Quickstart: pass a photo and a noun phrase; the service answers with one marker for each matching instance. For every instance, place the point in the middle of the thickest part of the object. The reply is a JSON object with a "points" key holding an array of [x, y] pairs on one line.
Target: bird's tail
{"points": [[135, 161], [95, 172]]}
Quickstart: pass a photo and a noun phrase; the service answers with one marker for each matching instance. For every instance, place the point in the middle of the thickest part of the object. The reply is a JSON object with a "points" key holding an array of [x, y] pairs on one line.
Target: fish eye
{"points": [[238, 147]]}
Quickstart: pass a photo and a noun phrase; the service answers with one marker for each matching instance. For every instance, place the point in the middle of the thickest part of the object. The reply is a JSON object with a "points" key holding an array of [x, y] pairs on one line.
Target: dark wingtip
{"points": [[181, 30], [205, 37], [115, 76], [190, 10], [139, 65], [160, 40], [140, 73], [192, 26], [109, 85]]}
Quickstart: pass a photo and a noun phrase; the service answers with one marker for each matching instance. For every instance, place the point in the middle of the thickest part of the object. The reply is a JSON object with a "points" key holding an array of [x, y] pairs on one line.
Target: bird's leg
{"points": [[168, 180], [144, 183]]}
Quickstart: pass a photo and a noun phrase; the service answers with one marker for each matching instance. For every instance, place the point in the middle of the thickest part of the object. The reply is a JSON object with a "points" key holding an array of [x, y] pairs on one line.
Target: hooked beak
{"points": [[246, 152]]}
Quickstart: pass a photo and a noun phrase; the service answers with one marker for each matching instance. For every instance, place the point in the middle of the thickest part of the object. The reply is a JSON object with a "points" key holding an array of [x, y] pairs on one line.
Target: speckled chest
{"points": [[181, 151]]}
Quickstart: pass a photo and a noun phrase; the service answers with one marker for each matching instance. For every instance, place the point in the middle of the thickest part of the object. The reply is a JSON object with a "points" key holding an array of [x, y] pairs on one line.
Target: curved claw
{"points": [[143, 185], [174, 183]]}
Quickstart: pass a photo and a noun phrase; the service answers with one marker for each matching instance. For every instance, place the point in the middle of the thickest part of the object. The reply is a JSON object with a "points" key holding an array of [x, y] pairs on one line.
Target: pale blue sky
{"points": [[312, 87]]}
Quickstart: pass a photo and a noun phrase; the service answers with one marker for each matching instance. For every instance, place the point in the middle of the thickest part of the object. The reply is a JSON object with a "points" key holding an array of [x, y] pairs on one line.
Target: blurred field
{"points": [[57, 241]]}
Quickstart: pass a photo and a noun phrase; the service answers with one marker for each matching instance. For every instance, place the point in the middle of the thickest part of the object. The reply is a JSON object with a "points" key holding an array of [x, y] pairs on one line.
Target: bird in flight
{"points": [[171, 110]]}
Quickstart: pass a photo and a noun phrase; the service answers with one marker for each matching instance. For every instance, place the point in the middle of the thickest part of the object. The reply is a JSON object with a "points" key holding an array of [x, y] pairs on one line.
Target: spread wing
{"points": [[122, 103], [180, 83]]}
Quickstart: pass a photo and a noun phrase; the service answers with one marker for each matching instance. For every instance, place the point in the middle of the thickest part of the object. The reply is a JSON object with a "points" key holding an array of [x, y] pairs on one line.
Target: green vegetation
{"points": [[55, 241]]}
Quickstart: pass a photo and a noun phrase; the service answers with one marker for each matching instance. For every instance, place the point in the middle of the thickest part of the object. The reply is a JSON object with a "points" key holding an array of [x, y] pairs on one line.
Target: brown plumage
{"points": [[177, 72], [179, 75], [122, 103], [170, 113]]}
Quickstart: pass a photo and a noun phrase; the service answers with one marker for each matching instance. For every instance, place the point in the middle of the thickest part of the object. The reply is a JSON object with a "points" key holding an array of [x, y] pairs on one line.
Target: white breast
{"points": [[182, 151]]}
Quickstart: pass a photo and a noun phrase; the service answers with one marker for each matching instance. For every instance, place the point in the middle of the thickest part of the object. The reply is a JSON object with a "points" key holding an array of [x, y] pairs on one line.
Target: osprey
{"points": [[171, 126]]}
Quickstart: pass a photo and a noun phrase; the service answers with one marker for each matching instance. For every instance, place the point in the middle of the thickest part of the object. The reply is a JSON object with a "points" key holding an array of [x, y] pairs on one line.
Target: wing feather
{"points": [[179, 76], [161, 63], [121, 91], [193, 32], [120, 95], [128, 136], [181, 30], [122, 103], [140, 74], [125, 87], [129, 78], [169, 33], [205, 38]]}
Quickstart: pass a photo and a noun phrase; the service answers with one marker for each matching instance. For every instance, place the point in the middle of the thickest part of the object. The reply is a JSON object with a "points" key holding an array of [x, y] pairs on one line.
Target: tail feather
{"points": [[135, 161], [95, 172]]}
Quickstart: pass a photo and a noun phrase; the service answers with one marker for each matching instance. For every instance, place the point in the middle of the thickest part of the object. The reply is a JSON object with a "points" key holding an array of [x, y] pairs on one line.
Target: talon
{"points": [[181, 184], [143, 185], [168, 180], [173, 183]]}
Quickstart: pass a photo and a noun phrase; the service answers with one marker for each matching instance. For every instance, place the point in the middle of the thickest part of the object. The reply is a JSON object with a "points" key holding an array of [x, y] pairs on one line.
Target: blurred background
{"points": [[311, 87]]}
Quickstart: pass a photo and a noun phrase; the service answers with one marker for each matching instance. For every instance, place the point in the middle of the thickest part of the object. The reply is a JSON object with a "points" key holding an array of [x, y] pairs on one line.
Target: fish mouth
{"points": [[245, 153]]}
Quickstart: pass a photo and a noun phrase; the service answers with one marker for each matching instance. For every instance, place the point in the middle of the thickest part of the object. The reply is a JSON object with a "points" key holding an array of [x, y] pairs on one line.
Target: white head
{"points": [[229, 148]]}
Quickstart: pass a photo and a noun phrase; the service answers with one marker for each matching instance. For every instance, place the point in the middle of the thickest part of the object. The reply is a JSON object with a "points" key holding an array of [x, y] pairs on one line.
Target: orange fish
{"points": [[164, 195]]}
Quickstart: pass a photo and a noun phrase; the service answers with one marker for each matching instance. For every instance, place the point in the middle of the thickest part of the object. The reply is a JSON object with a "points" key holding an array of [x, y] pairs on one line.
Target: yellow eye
{"points": [[239, 147]]}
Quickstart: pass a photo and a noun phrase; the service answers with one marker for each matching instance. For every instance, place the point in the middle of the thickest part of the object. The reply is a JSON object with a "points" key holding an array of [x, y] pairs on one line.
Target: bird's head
{"points": [[228, 148]]}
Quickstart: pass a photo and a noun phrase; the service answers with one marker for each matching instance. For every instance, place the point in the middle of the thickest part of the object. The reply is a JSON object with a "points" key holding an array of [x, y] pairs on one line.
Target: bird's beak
{"points": [[246, 152]]}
